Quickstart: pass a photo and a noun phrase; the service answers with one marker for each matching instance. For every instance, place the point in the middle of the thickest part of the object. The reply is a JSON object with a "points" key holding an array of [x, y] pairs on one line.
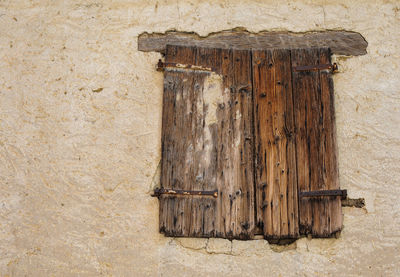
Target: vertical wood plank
{"points": [[224, 171], [333, 206], [178, 166], [301, 83], [315, 143], [207, 207], [235, 139], [304, 89], [277, 204], [242, 99]]}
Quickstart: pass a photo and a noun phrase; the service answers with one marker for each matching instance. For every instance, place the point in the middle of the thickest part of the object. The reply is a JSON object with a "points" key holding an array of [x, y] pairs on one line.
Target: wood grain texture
{"points": [[316, 143], [340, 42], [276, 182], [200, 152], [237, 139]]}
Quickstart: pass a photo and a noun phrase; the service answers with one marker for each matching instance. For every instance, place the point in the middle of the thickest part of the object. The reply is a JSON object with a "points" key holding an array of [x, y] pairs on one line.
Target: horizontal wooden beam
{"points": [[340, 42]]}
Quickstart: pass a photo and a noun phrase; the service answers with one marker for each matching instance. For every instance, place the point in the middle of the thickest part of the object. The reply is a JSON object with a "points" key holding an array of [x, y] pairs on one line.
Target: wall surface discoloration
{"points": [[76, 162]]}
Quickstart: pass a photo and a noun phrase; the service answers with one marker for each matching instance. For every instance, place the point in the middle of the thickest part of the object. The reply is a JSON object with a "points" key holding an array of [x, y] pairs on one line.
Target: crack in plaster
{"points": [[155, 180], [205, 249]]}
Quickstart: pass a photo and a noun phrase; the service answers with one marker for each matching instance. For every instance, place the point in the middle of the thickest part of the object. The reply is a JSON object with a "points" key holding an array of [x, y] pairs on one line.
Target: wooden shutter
{"points": [[276, 180], [295, 143], [316, 156], [258, 153], [207, 144]]}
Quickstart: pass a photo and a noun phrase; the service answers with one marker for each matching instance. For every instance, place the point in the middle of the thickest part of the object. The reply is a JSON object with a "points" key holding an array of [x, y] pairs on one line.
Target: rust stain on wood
{"points": [[178, 66], [176, 192]]}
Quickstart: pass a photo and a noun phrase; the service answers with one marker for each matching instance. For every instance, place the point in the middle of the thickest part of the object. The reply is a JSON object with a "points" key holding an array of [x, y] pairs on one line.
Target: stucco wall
{"points": [[80, 115]]}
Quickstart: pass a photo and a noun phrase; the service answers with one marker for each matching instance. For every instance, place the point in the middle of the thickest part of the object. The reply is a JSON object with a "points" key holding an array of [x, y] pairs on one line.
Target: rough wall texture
{"points": [[80, 114]]}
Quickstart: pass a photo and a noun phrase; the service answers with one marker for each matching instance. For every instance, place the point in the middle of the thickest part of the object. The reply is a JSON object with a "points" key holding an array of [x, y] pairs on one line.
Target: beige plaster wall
{"points": [[80, 114]]}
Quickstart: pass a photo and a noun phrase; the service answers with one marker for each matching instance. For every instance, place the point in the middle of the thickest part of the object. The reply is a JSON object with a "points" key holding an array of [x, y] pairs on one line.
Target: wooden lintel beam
{"points": [[340, 42]]}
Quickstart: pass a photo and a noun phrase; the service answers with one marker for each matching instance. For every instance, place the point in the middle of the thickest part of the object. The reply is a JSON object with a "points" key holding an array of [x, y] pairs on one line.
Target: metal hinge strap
{"points": [[333, 67], [162, 66], [159, 191], [318, 193]]}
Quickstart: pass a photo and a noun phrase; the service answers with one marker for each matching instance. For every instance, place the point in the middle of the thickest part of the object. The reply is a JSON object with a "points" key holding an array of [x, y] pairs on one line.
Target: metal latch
{"points": [[159, 191], [333, 67], [318, 193]]}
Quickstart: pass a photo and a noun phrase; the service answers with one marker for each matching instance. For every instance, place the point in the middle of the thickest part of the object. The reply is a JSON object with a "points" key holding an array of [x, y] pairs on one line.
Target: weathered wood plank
{"points": [[182, 136], [274, 144], [235, 147], [225, 173], [243, 142], [333, 217], [316, 143], [340, 42], [303, 87], [209, 148]]}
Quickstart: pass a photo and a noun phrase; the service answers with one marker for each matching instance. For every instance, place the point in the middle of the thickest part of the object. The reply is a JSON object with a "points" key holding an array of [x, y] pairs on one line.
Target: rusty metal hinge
{"points": [[318, 193], [333, 67], [159, 191], [162, 66]]}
